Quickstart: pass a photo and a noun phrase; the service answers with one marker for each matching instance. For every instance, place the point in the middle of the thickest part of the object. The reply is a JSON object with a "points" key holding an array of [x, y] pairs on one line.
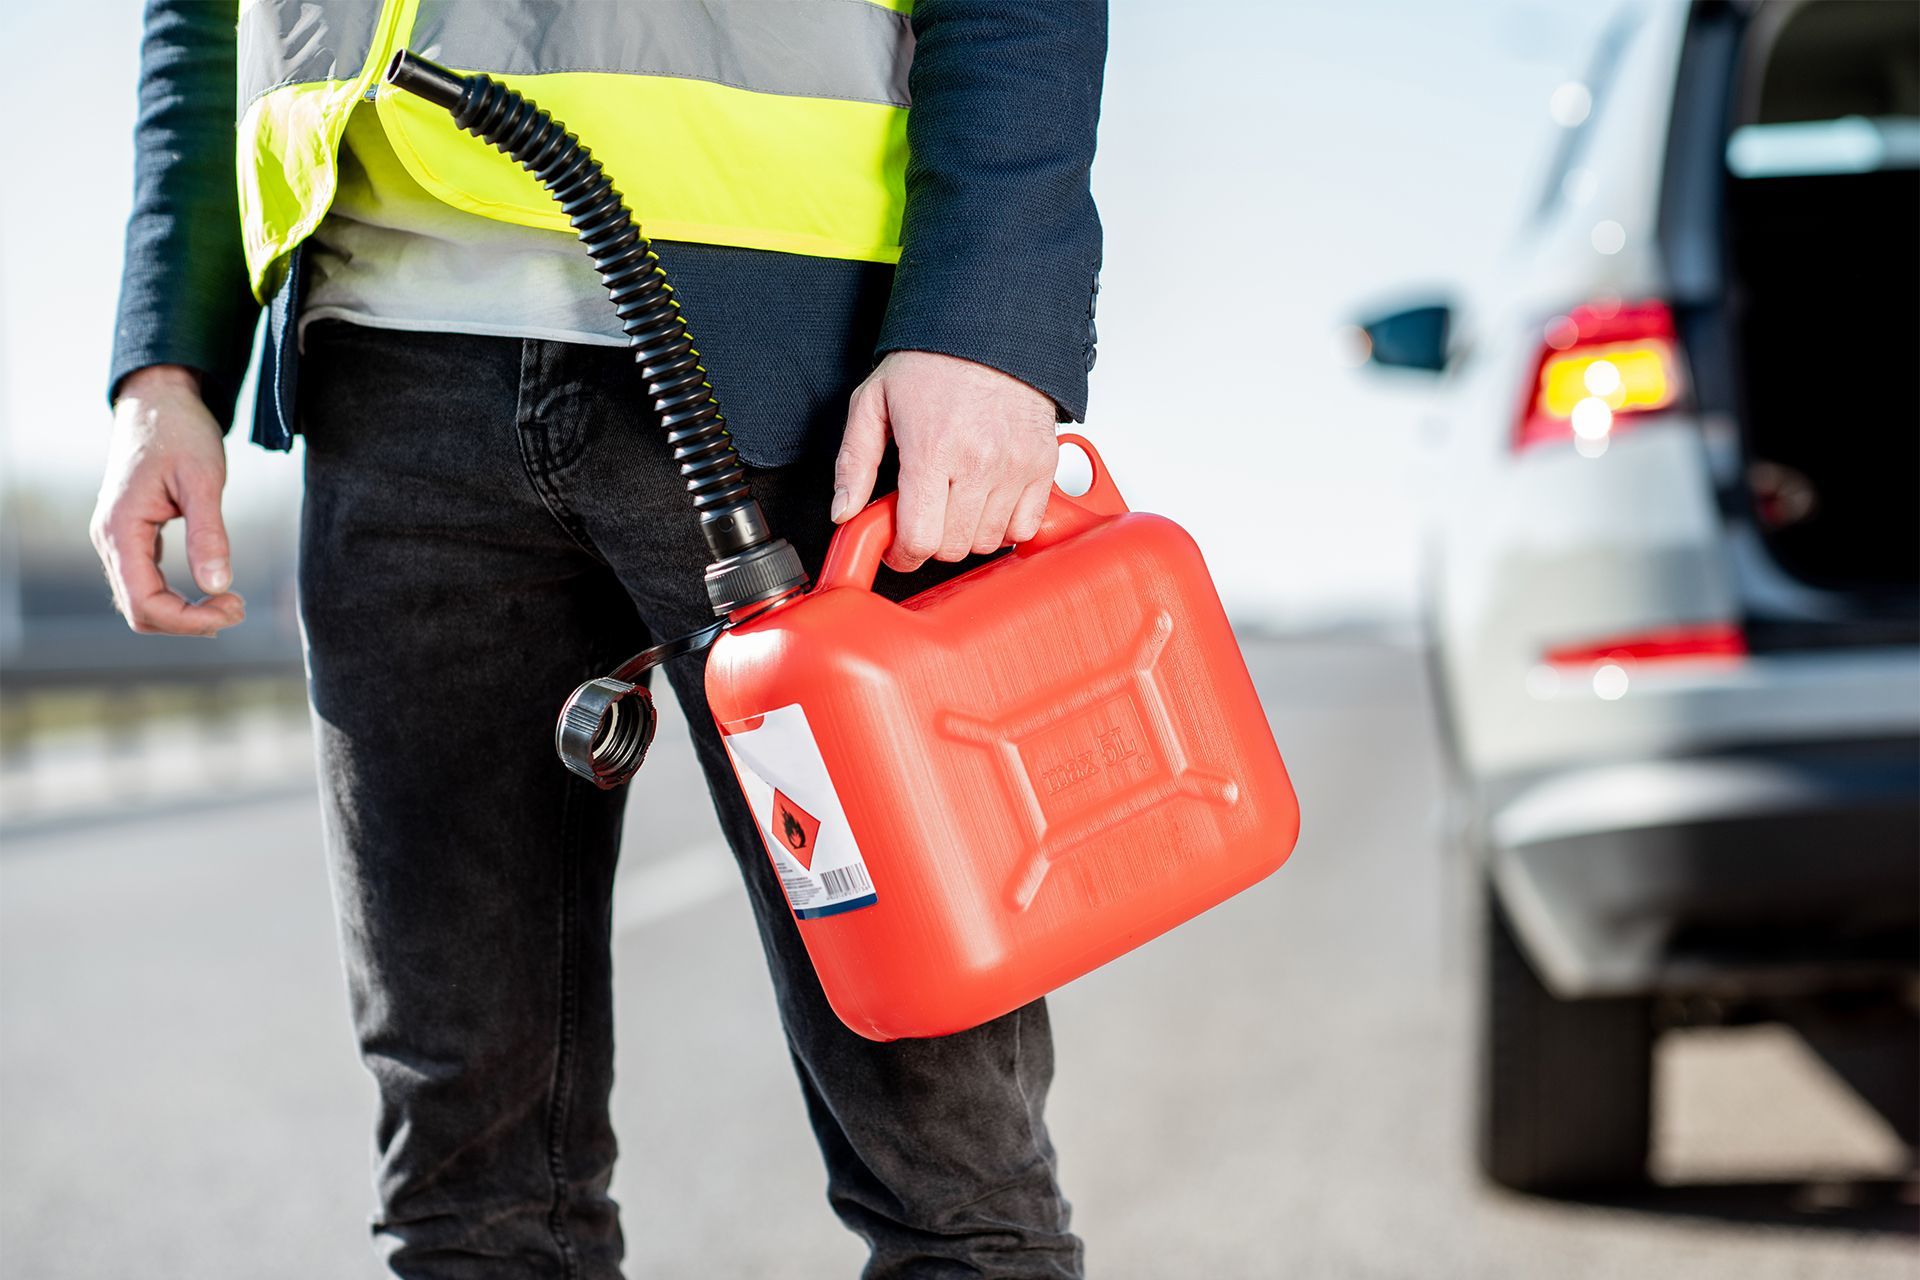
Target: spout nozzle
{"points": [[428, 80]]}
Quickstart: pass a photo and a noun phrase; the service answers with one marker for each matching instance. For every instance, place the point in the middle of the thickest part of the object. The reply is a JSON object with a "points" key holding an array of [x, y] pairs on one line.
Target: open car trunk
{"points": [[1822, 239], [1828, 387]]}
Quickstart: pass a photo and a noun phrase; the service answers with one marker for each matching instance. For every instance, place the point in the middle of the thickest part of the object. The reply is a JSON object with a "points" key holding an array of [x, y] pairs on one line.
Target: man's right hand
{"points": [[167, 461]]}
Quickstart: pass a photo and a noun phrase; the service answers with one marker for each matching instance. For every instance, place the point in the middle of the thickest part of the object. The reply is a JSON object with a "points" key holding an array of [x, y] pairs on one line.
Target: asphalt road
{"points": [[1277, 1089]]}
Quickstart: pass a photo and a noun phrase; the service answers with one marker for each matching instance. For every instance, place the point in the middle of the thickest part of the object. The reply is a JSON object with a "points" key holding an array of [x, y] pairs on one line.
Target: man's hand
{"points": [[977, 455], [167, 460]]}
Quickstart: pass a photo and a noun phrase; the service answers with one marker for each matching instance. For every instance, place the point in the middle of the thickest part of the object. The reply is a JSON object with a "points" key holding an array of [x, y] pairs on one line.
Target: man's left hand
{"points": [[977, 456]]}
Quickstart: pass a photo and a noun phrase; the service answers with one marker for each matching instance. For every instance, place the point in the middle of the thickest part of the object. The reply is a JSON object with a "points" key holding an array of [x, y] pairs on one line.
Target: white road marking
{"points": [[678, 882]]}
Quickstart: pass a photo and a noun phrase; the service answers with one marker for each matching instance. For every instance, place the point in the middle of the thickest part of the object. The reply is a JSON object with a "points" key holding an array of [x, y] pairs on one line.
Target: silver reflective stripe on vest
{"points": [[846, 49], [300, 41]]}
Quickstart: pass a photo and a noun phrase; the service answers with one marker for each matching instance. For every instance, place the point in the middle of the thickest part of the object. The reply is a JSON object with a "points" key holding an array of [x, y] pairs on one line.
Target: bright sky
{"points": [[1265, 169]]}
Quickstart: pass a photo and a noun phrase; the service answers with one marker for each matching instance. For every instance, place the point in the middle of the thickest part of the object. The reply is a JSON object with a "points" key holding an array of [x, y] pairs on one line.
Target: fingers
{"points": [[861, 448], [966, 499], [1012, 514], [206, 534], [130, 551], [920, 520], [973, 442], [1029, 510], [990, 534]]}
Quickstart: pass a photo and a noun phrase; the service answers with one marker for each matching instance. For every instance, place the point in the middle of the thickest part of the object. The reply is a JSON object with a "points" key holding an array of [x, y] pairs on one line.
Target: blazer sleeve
{"points": [[184, 297], [1000, 252]]}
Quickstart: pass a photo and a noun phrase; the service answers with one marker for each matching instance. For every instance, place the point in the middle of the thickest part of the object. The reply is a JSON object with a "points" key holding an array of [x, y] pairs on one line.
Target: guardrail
{"points": [[96, 720], [76, 652]]}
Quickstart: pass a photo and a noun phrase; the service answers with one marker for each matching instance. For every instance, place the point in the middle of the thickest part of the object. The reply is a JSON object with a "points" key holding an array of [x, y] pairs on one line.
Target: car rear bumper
{"points": [[1776, 870]]}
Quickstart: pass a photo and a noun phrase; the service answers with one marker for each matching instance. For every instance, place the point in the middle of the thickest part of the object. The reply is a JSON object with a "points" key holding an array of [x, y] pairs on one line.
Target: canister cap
{"points": [[765, 572], [605, 730]]}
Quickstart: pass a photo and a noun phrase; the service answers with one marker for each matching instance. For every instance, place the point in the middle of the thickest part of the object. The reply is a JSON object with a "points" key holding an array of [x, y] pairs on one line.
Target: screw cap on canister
{"points": [[765, 572], [604, 731]]}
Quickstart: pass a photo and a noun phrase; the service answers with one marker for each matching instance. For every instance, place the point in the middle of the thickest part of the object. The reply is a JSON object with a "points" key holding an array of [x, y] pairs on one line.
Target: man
{"points": [[489, 517]]}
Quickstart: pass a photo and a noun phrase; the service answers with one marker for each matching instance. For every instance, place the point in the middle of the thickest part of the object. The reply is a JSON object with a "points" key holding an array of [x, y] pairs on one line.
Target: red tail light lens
{"points": [[1693, 640], [1600, 366]]}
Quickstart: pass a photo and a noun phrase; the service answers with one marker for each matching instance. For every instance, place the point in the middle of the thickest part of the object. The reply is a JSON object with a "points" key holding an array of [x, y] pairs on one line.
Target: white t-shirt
{"points": [[391, 255]]}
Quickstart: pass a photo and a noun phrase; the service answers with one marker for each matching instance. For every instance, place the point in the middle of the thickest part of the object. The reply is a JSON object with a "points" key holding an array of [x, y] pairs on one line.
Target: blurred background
{"points": [[1562, 362]]}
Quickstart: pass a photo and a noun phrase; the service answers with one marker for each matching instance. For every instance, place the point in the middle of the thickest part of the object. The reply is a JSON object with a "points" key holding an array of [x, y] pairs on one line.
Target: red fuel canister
{"points": [[982, 792], [973, 796]]}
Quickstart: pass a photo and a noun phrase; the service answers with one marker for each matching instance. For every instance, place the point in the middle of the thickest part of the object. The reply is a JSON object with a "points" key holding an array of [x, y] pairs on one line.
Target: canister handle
{"points": [[853, 558]]}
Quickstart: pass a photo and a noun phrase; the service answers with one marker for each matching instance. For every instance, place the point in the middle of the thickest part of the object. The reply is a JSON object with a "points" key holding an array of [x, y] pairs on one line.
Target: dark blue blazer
{"points": [[1000, 260]]}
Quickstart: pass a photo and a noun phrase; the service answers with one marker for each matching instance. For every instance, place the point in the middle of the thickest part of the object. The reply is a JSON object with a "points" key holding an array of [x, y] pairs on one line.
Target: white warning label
{"points": [[785, 782]]}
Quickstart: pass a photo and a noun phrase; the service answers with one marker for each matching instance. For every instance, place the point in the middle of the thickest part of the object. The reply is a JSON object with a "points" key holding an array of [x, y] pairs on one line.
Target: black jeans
{"points": [[489, 517]]}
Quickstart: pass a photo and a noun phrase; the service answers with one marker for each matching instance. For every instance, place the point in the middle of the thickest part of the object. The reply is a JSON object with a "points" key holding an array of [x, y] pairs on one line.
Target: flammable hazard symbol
{"points": [[795, 828]]}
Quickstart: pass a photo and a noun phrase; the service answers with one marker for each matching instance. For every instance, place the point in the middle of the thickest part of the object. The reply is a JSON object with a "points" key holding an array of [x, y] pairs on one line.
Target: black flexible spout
{"points": [[750, 565]]}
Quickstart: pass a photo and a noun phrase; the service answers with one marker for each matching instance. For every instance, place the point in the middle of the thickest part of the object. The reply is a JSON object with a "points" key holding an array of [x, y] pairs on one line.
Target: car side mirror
{"points": [[1415, 338]]}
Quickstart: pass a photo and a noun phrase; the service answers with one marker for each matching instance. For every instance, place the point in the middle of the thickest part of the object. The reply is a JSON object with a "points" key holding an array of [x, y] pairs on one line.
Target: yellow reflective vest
{"points": [[766, 124]]}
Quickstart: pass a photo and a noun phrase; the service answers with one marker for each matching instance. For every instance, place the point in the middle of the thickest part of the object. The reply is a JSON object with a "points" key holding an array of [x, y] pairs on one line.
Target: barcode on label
{"points": [[844, 880]]}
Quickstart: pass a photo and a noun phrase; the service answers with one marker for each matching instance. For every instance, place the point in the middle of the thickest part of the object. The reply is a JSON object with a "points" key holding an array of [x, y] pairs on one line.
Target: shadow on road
{"points": [[1880, 1206]]}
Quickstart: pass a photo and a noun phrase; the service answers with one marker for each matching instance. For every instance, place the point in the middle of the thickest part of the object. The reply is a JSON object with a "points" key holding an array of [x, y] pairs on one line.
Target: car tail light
{"points": [[1600, 366], [1609, 664], [1691, 640]]}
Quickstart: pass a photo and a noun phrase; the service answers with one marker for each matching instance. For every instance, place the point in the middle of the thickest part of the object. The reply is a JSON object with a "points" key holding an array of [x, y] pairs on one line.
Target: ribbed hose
{"points": [[750, 565]]}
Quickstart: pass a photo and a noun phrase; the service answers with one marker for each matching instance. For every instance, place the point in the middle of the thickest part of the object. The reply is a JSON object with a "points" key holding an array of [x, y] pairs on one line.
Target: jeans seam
{"points": [[1026, 1108], [536, 459], [560, 1106]]}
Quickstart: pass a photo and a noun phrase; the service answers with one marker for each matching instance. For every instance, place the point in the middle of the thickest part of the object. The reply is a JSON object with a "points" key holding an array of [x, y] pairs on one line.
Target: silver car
{"points": [[1671, 587]]}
